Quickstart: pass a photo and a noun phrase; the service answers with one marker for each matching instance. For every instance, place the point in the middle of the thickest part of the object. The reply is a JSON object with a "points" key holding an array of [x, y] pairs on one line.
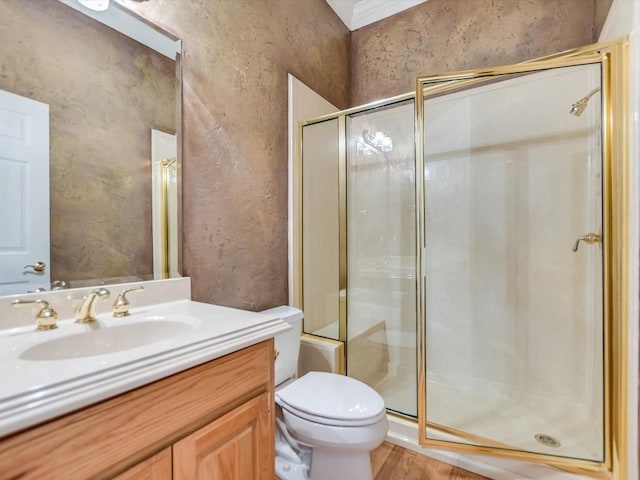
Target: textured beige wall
{"points": [[237, 54], [105, 93], [442, 36], [602, 8]]}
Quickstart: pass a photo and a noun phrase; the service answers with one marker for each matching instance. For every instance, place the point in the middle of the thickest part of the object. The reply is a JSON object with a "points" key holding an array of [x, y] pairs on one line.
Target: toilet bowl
{"points": [[329, 422]]}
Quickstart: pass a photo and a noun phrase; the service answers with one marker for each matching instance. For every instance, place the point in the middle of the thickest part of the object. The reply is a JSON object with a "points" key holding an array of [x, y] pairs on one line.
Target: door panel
{"points": [[237, 446], [24, 197], [381, 253], [514, 325]]}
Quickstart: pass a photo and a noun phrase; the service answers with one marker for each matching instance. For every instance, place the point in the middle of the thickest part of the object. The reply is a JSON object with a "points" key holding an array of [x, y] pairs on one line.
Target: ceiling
{"points": [[356, 14]]}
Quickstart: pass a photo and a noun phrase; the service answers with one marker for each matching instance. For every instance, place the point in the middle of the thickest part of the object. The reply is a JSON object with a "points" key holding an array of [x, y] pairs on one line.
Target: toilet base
{"points": [[335, 465]]}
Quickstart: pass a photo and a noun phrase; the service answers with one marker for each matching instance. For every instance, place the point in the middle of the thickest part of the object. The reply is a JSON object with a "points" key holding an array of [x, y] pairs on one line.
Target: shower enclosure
{"points": [[464, 243], [358, 234]]}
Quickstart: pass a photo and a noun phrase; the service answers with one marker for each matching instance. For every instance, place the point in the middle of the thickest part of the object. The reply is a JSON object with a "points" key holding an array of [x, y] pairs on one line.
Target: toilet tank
{"points": [[287, 344]]}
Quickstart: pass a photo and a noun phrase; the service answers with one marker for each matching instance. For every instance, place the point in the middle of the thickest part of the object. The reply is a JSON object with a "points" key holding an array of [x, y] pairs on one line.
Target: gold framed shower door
{"points": [[615, 97]]}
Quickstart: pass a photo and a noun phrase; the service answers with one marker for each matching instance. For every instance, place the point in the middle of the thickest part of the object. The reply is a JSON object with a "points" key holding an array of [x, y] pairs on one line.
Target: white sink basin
{"points": [[101, 340], [49, 373]]}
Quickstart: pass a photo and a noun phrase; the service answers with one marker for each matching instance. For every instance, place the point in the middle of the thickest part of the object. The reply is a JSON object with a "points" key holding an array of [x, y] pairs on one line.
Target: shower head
{"points": [[578, 108]]}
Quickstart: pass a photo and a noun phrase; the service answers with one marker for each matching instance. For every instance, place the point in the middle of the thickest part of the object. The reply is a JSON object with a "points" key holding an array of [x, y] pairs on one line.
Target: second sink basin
{"points": [[101, 340]]}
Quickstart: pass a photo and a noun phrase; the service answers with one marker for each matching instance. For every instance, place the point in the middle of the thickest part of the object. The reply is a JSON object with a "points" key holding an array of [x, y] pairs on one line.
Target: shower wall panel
{"points": [[381, 308], [320, 229]]}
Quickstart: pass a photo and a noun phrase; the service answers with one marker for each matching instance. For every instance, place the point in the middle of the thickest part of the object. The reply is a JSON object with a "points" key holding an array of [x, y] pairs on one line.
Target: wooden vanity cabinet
{"points": [[234, 447], [213, 421], [158, 467]]}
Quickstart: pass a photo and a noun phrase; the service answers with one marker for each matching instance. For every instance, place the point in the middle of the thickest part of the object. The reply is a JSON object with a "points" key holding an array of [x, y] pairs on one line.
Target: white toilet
{"points": [[328, 423]]}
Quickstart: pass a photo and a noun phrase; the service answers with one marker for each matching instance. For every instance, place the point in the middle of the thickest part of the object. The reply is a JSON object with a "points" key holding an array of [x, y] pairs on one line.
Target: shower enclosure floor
{"points": [[511, 420], [398, 388]]}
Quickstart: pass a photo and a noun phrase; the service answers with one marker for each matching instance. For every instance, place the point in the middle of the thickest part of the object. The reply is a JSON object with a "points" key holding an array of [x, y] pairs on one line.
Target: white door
{"points": [[24, 194]]}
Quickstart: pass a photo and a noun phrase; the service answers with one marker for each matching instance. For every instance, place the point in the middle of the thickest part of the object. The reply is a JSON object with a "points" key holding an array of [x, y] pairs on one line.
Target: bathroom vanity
{"points": [[218, 415], [200, 399]]}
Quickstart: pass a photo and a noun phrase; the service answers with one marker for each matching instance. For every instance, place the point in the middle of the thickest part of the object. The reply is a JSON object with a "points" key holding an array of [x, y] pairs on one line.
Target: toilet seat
{"points": [[332, 399], [334, 422], [343, 439]]}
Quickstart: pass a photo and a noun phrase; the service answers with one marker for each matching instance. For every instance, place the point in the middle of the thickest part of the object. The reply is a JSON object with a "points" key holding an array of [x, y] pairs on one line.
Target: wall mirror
{"points": [[89, 147]]}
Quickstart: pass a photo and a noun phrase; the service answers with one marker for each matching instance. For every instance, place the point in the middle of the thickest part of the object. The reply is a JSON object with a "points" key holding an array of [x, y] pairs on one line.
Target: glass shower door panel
{"points": [[381, 294], [514, 312], [320, 229]]}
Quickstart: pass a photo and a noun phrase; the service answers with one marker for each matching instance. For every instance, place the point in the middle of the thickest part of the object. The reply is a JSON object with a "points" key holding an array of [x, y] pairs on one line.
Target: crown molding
{"points": [[367, 12], [344, 10], [356, 14]]}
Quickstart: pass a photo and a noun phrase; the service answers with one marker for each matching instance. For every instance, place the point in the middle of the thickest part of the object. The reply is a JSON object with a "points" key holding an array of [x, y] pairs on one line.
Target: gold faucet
{"points": [[87, 310], [46, 316], [121, 305]]}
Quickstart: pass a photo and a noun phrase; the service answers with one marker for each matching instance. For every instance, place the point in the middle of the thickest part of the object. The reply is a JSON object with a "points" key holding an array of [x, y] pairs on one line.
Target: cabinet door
{"points": [[237, 446], [157, 467]]}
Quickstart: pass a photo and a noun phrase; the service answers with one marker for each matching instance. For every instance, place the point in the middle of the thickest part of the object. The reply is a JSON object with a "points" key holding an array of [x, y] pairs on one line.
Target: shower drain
{"points": [[547, 440]]}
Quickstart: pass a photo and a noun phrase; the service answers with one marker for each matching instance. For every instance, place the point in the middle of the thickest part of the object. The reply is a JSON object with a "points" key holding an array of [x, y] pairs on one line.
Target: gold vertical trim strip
{"points": [[420, 250], [164, 229], [609, 240], [342, 202], [179, 130], [164, 216], [620, 155], [298, 206]]}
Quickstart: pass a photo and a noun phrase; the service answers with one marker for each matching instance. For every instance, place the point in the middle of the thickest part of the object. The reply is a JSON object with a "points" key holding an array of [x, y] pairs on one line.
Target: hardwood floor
{"points": [[391, 462]]}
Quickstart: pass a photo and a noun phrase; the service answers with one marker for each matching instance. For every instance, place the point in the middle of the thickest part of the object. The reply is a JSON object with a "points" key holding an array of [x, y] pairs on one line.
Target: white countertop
{"points": [[32, 391]]}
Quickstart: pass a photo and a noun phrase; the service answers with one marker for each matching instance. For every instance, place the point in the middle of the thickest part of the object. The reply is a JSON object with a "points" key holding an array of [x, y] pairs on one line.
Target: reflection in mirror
{"points": [[164, 169], [81, 99]]}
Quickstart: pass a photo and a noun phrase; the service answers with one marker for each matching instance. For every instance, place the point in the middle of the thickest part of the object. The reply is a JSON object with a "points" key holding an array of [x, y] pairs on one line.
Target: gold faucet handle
{"points": [[588, 238], [46, 316], [121, 305]]}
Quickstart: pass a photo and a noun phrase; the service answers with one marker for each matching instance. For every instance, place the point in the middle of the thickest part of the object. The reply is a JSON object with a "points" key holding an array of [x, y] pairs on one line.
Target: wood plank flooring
{"points": [[391, 462]]}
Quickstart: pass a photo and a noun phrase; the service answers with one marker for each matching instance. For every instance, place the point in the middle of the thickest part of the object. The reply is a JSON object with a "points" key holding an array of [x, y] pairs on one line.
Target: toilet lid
{"points": [[333, 397]]}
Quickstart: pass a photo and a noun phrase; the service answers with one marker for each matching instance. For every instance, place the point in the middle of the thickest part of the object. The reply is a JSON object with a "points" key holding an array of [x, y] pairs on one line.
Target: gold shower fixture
{"points": [[579, 107]]}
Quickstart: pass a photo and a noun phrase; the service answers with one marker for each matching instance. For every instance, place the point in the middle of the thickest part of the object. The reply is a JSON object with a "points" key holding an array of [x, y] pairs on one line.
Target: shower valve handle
{"points": [[588, 238]]}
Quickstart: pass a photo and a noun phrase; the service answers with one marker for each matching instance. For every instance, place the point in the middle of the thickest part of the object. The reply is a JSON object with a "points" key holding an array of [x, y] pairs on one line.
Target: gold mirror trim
{"points": [[179, 127], [164, 216], [616, 193]]}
